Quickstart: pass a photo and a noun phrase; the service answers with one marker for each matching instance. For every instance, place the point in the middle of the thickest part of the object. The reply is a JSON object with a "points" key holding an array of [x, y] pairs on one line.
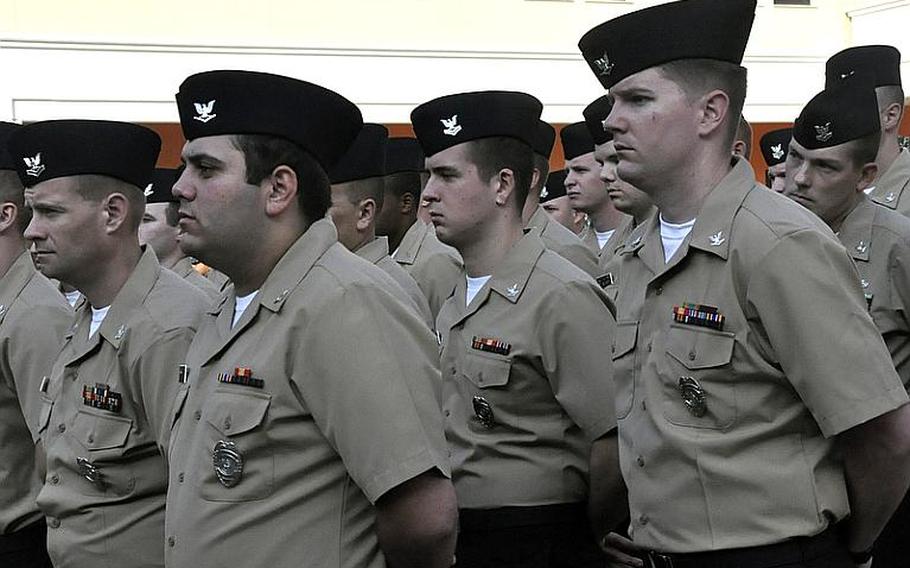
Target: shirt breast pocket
{"points": [[44, 416], [239, 463], [624, 366], [699, 389], [101, 443], [489, 405]]}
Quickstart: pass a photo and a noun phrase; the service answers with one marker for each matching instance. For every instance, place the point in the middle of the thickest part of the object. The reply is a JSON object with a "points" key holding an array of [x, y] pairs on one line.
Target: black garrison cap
{"points": [[576, 140], [686, 29], [454, 119], [596, 115], [555, 186], [6, 130], [545, 139], [158, 189], [320, 121], [58, 148], [882, 62], [403, 154], [775, 145], [847, 111], [365, 158]]}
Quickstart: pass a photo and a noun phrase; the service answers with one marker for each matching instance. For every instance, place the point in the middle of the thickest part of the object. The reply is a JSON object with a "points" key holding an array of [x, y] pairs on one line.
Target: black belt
{"points": [[510, 517], [792, 551], [28, 538]]}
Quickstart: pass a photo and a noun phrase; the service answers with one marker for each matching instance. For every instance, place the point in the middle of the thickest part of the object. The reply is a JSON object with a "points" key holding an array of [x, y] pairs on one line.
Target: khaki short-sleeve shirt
{"points": [[527, 381], [105, 418], [878, 239], [377, 252], [184, 269], [893, 187], [33, 319], [435, 267], [294, 422], [725, 428], [564, 242]]}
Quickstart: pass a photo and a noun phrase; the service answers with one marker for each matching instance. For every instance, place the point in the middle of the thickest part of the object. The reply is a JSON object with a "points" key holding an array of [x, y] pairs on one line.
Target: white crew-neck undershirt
{"points": [[672, 236], [241, 303], [98, 315], [474, 286], [602, 238]]}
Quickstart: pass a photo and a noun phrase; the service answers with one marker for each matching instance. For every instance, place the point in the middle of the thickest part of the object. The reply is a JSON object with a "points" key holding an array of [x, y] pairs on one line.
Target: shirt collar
{"points": [[856, 230], [511, 277], [375, 250], [131, 295], [17, 277], [411, 242]]}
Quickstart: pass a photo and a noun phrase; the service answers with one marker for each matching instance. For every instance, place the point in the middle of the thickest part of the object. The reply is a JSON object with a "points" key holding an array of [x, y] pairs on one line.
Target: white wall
{"points": [[125, 59]]}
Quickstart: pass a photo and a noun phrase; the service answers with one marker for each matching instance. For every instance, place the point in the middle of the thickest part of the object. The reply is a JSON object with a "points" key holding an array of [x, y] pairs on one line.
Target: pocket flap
{"points": [[235, 413], [101, 432], [626, 336], [698, 348], [486, 372]]}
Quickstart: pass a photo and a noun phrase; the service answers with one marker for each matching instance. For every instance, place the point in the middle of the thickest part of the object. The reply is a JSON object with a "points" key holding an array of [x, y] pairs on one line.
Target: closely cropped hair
{"points": [[370, 188], [403, 182], [96, 187], [543, 166], [889, 95], [744, 133], [491, 155], [11, 191], [864, 150], [263, 153], [697, 77]]}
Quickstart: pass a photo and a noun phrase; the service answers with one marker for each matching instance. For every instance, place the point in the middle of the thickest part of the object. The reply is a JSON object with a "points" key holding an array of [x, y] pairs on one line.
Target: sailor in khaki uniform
{"points": [[308, 431], [402, 186], [435, 267], [883, 62], [526, 378], [33, 318], [730, 349], [158, 230], [586, 190], [357, 194], [827, 174], [556, 204], [775, 146], [106, 405], [555, 237], [631, 201]]}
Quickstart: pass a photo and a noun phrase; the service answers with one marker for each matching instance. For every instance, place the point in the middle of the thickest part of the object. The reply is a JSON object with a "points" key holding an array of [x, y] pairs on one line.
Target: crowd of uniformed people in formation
{"points": [[314, 345]]}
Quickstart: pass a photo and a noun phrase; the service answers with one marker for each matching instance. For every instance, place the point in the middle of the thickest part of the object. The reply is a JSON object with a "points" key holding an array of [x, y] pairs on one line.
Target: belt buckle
{"points": [[658, 560]]}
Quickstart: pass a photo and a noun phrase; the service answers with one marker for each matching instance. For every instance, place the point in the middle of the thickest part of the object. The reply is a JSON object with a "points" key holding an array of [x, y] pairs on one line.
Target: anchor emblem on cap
{"points": [[452, 128], [148, 190], [544, 193], [228, 463], [204, 111], [483, 412], [35, 168], [603, 65], [693, 396], [823, 133], [777, 152]]}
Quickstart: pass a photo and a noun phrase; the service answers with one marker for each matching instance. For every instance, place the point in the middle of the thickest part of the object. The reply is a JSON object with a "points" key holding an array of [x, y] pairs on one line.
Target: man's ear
{"points": [[535, 177], [714, 110], [281, 190], [116, 208], [891, 116], [867, 176], [407, 204], [9, 212], [366, 213], [505, 185]]}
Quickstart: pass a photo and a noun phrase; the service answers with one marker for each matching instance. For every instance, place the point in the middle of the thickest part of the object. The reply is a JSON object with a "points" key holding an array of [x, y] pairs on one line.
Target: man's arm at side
{"points": [[607, 501], [877, 464], [416, 522]]}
